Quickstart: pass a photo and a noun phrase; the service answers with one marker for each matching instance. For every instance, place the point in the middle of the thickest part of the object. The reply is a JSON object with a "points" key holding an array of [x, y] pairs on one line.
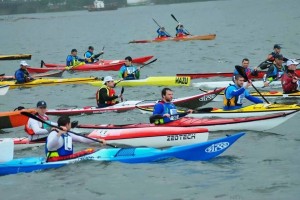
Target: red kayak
{"points": [[106, 65], [179, 38], [224, 74]]}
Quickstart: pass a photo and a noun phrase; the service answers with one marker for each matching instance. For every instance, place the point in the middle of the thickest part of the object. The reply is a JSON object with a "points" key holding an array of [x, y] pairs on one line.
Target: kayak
{"points": [[138, 60], [24, 143], [215, 84], [108, 65], [180, 38], [13, 119], [151, 81], [191, 102], [57, 73], [15, 57], [258, 123], [277, 94], [149, 136], [4, 89], [195, 152], [224, 74], [254, 110], [45, 82]]}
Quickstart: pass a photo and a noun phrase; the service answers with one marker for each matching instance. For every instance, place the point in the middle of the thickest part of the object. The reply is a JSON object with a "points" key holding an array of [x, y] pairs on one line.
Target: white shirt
{"points": [[38, 131]]}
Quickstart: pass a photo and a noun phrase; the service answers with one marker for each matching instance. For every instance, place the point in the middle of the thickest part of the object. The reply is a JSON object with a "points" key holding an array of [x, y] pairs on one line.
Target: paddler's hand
{"points": [[190, 111], [102, 142], [267, 83], [167, 115]]}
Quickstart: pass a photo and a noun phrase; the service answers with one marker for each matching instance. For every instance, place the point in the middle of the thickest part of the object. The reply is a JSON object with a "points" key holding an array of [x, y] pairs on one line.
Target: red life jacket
{"points": [[30, 130], [110, 92]]}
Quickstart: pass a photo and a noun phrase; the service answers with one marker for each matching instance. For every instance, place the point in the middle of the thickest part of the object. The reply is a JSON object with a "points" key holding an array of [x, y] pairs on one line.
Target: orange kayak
{"points": [[11, 119], [179, 38]]}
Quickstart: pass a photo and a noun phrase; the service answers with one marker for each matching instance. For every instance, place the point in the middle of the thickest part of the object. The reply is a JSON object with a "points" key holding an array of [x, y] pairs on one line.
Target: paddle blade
{"points": [[241, 71], [204, 110], [174, 18], [153, 118]]}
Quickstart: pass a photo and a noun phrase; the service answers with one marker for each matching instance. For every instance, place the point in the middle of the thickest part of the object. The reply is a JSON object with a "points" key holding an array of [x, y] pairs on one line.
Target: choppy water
{"points": [[259, 166]]}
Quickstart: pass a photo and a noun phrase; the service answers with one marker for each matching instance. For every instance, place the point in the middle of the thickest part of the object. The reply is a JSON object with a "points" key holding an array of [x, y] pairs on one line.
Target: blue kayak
{"points": [[195, 152]]}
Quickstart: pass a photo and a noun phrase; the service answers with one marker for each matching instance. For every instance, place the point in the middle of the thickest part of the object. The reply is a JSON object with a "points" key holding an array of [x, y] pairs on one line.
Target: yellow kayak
{"points": [[15, 57], [151, 81], [45, 81], [247, 111], [277, 94]]}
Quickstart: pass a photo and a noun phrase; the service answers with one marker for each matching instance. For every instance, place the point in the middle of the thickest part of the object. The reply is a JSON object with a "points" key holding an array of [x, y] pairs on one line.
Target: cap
{"points": [[23, 63], [277, 46], [73, 50], [41, 104], [291, 62], [107, 78], [279, 56]]}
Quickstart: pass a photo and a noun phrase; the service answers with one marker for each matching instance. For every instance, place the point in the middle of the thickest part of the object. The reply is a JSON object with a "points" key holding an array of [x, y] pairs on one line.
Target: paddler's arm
{"points": [[105, 97]]}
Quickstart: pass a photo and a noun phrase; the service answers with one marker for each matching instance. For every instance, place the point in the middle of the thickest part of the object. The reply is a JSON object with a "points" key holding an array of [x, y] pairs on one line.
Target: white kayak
{"points": [[4, 89], [217, 84]]}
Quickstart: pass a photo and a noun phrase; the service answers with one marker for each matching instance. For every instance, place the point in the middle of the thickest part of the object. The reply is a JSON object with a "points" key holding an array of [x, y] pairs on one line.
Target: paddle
{"points": [[152, 61], [2, 74], [242, 72], [95, 56], [40, 120], [153, 118], [179, 23], [42, 63], [160, 27], [122, 91]]}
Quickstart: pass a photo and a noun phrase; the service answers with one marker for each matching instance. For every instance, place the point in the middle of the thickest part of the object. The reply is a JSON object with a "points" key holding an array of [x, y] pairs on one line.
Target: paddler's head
{"points": [[245, 63], [277, 48], [167, 95], [278, 59], [109, 81], [239, 80], [23, 64], [74, 52], [64, 121], [128, 61], [41, 107], [292, 65]]}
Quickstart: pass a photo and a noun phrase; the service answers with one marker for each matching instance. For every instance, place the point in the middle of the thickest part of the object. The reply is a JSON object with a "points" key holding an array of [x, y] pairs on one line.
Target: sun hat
{"points": [[23, 63], [107, 79], [291, 62]]}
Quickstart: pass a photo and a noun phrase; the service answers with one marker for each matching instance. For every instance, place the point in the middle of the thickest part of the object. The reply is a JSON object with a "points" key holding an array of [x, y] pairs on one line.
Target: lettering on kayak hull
{"points": [[182, 80], [207, 97], [181, 137], [217, 147]]}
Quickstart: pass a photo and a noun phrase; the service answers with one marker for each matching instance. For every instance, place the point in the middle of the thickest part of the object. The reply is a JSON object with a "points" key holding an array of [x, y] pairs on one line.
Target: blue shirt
{"points": [[21, 75], [162, 33], [162, 108], [129, 72]]}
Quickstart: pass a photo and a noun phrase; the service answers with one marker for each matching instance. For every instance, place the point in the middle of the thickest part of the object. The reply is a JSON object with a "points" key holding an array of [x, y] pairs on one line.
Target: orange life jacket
{"points": [[30, 130], [110, 92]]}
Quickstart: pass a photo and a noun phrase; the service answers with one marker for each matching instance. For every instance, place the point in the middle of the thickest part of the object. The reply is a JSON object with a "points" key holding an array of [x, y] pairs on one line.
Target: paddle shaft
{"points": [[40, 120], [160, 26], [152, 61], [122, 91]]}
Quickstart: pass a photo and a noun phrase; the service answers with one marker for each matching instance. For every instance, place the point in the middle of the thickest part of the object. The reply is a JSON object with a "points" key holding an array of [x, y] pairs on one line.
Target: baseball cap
{"points": [[41, 104], [107, 78], [23, 63], [291, 62], [277, 46]]}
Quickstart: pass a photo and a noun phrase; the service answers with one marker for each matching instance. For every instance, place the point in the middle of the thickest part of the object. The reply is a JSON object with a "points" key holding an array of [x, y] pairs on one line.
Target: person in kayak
{"points": [[38, 131], [129, 71], [22, 75], [271, 57], [165, 108], [106, 95], [235, 94], [73, 60], [275, 71], [89, 55], [180, 31], [161, 31], [290, 80], [59, 143], [248, 70]]}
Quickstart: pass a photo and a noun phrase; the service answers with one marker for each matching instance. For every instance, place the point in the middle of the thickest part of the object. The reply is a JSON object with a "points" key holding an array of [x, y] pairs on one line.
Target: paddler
{"points": [[271, 57], [290, 80], [60, 142], [180, 30], [89, 55], [129, 71], [73, 60], [275, 71], [106, 95], [165, 108], [248, 70], [22, 75], [161, 31], [235, 94]]}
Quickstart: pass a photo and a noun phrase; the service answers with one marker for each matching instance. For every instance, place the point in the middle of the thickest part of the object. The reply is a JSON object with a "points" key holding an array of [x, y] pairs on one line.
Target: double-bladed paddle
{"points": [[241, 71], [40, 120], [179, 23], [152, 61]]}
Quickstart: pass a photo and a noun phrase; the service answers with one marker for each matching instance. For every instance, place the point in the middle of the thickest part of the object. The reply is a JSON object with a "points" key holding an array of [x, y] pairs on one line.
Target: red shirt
{"points": [[287, 83]]}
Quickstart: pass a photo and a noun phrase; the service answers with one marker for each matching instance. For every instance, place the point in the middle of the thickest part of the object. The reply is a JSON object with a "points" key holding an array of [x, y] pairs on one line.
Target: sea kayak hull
{"points": [[13, 119], [180, 38], [4, 89], [215, 84], [195, 152], [16, 57]]}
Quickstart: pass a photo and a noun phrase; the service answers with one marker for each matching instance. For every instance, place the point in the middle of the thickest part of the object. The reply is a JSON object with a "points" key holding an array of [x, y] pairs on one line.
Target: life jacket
{"points": [[167, 110], [65, 150], [230, 102], [110, 92], [29, 130], [129, 73]]}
